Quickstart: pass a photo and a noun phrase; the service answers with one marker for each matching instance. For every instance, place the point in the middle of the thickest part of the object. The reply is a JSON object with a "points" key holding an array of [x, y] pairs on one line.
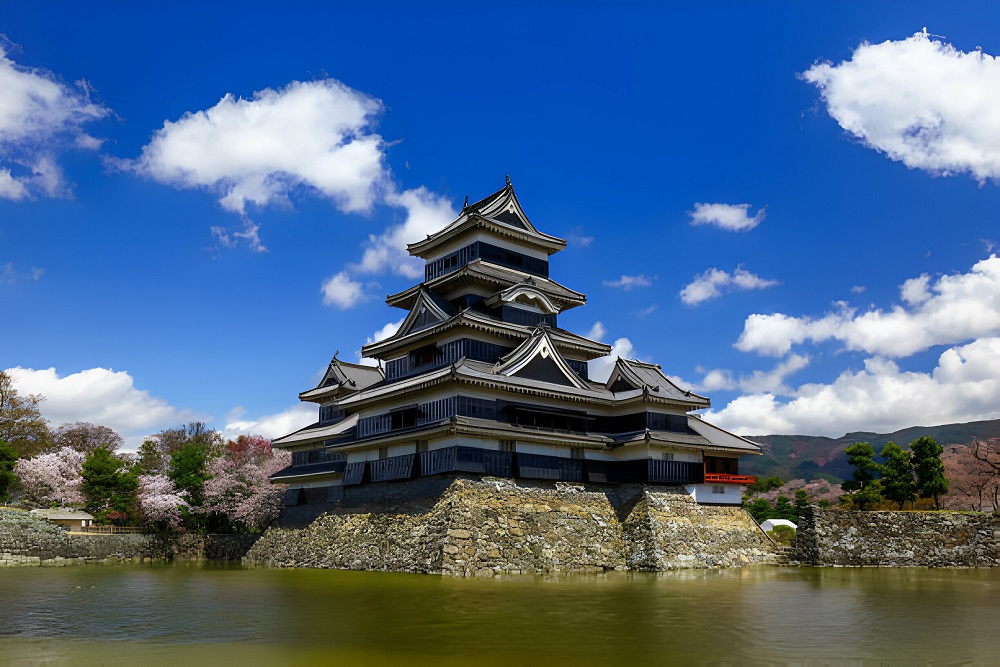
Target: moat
{"points": [[203, 614]]}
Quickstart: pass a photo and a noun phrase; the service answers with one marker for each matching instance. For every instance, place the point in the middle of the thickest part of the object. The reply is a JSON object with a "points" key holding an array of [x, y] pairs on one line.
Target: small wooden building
{"points": [[481, 379], [67, 518]]}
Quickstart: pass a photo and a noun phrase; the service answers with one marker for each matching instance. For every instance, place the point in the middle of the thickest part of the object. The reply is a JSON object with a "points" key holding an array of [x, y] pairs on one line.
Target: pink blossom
{"points": [[160, 500], [239, 487], [51, 478]]}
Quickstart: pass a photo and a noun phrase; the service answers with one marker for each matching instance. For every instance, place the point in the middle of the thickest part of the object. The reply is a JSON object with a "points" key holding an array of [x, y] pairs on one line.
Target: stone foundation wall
{"points": [[25, 540], [903, 539], [470, 527]]}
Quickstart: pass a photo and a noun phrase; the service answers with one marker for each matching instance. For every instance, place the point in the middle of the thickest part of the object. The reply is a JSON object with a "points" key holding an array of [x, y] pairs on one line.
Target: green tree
{"points": [[801, 502], [8, 457], [897, 475], [188, 469], [931, 480], [784, 509], [861, 455], [149, 459], [759, 509], [21, 423], [108, 483]]}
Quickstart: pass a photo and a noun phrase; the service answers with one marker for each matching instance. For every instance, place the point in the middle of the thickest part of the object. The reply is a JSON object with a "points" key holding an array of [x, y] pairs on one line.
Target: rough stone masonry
{"points": [[473, 527]]}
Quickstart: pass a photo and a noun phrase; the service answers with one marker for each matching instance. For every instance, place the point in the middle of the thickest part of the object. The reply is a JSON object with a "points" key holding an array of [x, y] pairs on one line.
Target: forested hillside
{"points": [[815, 457]]}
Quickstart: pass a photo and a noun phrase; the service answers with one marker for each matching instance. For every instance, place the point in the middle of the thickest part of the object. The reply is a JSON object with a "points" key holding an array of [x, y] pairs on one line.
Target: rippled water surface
{"points": [[198, 614]]}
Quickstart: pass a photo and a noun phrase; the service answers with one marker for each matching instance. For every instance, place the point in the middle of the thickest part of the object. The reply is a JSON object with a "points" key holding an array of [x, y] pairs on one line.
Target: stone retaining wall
{"points": [[470, 527], [26, 540], [902, 539]]}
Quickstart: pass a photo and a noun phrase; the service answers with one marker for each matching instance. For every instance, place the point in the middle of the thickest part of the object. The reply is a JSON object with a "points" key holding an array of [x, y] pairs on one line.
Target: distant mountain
{"points": [[813, 457]]}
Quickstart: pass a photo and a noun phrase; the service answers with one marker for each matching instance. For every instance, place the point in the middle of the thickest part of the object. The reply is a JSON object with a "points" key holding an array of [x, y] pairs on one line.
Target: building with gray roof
{"points": [[480, 379]]}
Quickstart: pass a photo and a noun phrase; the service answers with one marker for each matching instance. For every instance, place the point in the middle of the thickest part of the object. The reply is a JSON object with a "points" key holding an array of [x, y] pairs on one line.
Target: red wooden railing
{"points": [[726, 478]]}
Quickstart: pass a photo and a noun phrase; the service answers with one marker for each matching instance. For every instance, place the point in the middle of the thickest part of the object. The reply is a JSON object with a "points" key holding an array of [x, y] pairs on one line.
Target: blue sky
{"points": [[792, 209]]}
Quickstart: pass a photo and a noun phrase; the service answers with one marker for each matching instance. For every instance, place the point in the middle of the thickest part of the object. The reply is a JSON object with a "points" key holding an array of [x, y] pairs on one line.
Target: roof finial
{"points": [[335, 356], [508, 179], [466, 204]]}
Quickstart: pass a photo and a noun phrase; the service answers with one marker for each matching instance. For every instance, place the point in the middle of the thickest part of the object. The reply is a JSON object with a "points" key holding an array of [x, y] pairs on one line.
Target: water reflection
{"points": [[203, 614]]}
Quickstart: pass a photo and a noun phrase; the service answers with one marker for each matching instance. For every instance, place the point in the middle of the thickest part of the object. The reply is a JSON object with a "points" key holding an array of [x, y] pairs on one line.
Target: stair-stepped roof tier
{"points": [[342, 378], [478, 323], [500, 215], [491, 278]]}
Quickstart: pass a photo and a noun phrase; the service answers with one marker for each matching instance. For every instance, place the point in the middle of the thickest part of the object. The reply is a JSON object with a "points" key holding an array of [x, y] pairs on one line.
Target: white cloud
{"points": [[340, 291], [858, 289], [9, 274], [732, 217], [772, 381], [100, 396], [230, 239], [270, 426], [952, 309], [920, 101], [386, 331], [578, 238], [599, 370], [426, 213], [629, 282], [39, 117], [713, 282], [316, 135], [597, 331], [964, 386]]}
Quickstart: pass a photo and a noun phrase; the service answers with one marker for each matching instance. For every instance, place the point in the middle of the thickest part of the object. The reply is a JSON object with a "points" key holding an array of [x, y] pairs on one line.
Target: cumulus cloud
{"points": [[944, 311], [919, 101], [340, 291], [597, 331], [100, 396], [39, 118], [387, 331], [270, 426], [759, 381], [599, 370], [426, 213], [732, 217], [629, 282], [712, 283], [316, 135], [964, 386]]}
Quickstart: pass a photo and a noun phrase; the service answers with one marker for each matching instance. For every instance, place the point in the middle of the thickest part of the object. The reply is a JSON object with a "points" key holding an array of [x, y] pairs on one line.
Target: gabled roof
{"points": [[317, 433], [526, 292], [343, 377], [61, 514], [649, 377], [484, 323], [493, 276], [538, 359], [427, 310], [500, 213]]}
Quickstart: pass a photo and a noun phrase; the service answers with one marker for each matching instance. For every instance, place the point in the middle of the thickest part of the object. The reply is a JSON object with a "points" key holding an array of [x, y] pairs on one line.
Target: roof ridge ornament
{"points": [[466, 204], [508, 179]]}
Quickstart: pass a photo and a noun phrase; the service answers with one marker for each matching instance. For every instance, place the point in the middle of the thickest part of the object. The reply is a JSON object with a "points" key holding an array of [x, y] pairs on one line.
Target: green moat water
{"points": [[201, 614]]}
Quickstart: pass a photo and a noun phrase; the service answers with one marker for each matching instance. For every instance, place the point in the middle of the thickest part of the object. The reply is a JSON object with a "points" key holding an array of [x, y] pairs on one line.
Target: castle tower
{"points": [[481, 379]]}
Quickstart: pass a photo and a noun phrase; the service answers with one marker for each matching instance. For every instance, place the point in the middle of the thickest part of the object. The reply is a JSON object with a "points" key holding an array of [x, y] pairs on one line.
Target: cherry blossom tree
{"points": [[239, 488], [160, 500], [50, 478]]}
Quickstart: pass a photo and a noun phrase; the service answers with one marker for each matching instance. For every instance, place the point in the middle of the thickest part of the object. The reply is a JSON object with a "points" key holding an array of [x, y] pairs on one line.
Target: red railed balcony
{"points": [[726, 478]]}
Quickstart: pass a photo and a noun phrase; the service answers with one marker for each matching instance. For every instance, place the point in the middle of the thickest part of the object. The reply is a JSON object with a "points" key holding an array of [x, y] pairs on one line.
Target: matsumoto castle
{"points": [[481, 380]]}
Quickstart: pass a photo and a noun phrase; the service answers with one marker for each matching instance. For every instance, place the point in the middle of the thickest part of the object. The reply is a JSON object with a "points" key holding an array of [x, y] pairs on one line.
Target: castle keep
{"points": [[480, 379]]}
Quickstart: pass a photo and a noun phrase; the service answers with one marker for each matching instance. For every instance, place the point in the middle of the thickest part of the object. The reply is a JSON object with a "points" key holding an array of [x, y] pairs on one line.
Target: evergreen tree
{"points": [[931, 480], [108, 483], [865, 486], [897, 474], [801, 502], [188, 469], [8, 457], [784, 509]]}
